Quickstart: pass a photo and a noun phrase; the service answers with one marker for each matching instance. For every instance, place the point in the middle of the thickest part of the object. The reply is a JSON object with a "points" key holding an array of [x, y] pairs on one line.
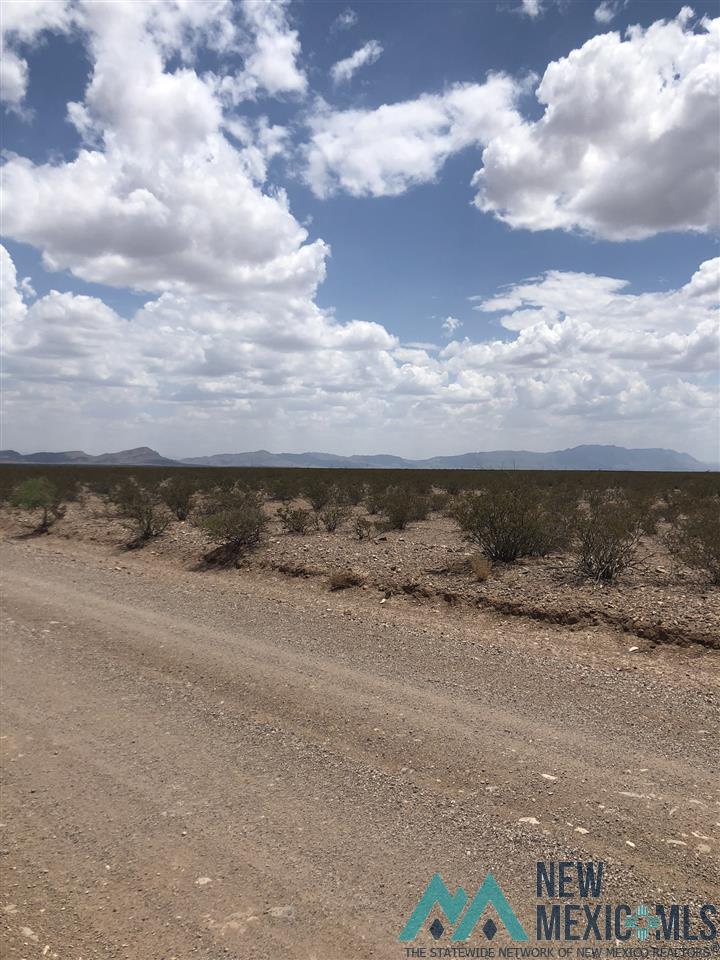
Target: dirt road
{"points": [[231, 765]]}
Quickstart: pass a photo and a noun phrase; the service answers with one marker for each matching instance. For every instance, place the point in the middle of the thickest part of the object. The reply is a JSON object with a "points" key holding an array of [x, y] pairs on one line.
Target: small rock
{"points": [[532, 820], [283, 913], [630, 844], [581, 830], [548, 776], [203, 881]]}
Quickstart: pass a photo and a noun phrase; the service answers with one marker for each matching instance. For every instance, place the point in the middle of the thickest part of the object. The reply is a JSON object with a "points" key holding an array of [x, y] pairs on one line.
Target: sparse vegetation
{"points": [[142, 509], [335, 513], [695, 538], [508, 522], [400, 507], [39, 495], [608, 531], [296, 520], [363, 528], [178, 492], [236, 521]]}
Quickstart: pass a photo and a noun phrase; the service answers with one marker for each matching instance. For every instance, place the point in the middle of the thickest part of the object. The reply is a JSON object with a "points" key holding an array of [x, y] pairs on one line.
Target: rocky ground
{"points": [[244, 764], [428, 563]]}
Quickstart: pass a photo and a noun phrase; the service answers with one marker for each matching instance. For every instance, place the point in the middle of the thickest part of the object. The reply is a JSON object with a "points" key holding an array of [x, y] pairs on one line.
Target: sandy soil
{"points": [[244, 764]]}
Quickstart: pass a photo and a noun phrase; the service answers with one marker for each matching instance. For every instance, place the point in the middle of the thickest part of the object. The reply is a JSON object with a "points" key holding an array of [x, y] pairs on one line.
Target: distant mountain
{"points": [[138, 456], [585, 457]]}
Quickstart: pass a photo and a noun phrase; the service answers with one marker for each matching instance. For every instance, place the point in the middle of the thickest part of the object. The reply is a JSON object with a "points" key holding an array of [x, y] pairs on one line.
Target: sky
{"points": [[419, 228]]}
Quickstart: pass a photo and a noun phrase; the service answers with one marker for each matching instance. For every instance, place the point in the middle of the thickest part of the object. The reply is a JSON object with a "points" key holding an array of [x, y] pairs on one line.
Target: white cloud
{"points": [[343, 70], [607, 11], [344, 20], [531, 8], [584, 361], [450, 325], [383, 152], [159, 199], [169, 195], [273, 51], [609, 155]]}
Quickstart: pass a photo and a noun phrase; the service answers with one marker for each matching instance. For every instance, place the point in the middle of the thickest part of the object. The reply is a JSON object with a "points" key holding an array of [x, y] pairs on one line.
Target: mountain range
{"points": [[584, 457]]}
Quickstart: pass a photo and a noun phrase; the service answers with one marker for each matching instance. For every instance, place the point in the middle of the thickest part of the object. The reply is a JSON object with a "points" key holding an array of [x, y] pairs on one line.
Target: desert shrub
{"points": [[177, 493], [439, 501], [142, 509], [334, 514], [401, 506], [318, 494], [508, 522], [607, 537], [235, 520], [356, 492], [342, 579], [481, 567], [39, 494], [363, 528], [695, 538], [296, 519]]}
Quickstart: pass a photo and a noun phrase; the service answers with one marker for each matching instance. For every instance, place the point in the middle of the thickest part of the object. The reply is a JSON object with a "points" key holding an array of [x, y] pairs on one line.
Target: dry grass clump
{"points": [[481, 567]]}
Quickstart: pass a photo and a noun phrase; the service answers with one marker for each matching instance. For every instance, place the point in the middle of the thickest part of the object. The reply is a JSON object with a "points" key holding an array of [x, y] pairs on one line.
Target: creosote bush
{"points": [[695, 538], [334, 513], [401, 506], [607, 537], [509, 522], [142, 509], [363, 528], [296, 520], [235, 520], [178, 492], [39, 494]]}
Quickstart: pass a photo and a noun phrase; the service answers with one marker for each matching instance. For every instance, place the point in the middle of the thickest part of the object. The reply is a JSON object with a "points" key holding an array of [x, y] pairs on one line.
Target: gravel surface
{"points": [[244, 764]]}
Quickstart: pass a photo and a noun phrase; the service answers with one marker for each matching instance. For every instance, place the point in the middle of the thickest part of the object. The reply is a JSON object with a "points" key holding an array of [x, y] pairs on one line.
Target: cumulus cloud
{"points": [[272, 52], [579, 356], [609, 155], [344, 70], [160, 199], [385, 151], [169, 194]]}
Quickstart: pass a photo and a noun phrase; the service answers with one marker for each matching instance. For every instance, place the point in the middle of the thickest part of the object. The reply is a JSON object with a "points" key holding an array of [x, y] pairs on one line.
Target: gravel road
{"points": [[238, 765]]}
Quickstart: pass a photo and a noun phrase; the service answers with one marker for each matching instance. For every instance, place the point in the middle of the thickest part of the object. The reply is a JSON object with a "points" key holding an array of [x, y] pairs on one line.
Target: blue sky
{"points": [[230, 242]]}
